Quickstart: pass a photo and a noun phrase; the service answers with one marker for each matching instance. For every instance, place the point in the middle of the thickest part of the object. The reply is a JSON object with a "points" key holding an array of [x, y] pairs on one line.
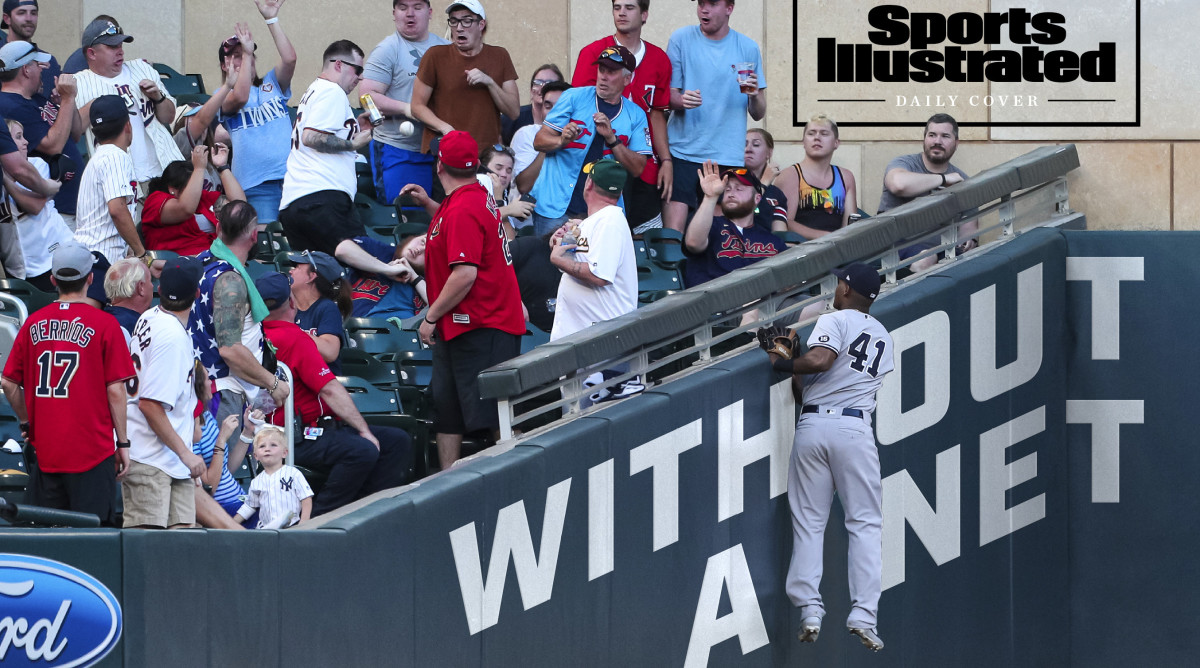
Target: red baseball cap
{"points": [[458, 150]]}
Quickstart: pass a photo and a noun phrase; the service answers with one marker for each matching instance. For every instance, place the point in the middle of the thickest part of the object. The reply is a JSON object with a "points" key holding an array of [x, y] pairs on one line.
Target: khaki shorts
{"points": [[153, 498]]}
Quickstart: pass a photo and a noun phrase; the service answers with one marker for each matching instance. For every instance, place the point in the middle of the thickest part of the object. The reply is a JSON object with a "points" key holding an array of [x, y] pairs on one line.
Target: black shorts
{"points": [[93, 491], [685, 182], [457, 408], [320, 221], [642, 202]]}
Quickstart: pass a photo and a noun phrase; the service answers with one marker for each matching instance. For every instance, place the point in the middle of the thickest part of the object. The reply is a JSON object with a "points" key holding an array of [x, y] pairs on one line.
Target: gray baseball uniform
{"points": [[834, 450]]}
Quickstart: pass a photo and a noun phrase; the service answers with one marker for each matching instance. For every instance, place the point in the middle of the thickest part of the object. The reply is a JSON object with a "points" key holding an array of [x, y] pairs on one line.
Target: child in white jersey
{"points": [[280, 493]]}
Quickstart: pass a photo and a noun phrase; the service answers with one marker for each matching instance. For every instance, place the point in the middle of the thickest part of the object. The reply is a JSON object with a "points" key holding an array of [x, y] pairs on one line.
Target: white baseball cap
{"points": [[16, 55], [472, 6]]}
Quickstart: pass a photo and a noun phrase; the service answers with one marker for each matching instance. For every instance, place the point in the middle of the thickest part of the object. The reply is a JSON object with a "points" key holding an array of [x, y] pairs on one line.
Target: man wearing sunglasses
{"points": [[317, 209], [587, 124], [466, 84], [716, 245], [138, 84]]}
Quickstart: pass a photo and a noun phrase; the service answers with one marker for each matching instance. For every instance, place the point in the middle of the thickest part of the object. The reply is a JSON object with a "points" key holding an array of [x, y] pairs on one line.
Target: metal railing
{"points": [[687, 329]]}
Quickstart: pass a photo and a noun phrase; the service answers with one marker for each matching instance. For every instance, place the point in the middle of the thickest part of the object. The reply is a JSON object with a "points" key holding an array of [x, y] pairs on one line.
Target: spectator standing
{"points": [[650, 89], [396, 157], [908, 177], [710, 100], [379, 295], [179, 214], [129, 291], [21, 20], [531, 114], [586, 125], [159, 491], [226, 326], [255, 112], [445, 99], [361, 459], [317, 209], [52, 128], [771, 213], [280, 493], [475, 307], [716, 245], [104, 218], [821, 196], [70, 359], [41, 229], [323, 302], [138, 85]]}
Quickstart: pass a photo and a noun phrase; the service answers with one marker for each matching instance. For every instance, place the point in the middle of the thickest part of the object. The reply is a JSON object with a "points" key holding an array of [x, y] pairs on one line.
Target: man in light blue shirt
{"points": [[716, 78]]}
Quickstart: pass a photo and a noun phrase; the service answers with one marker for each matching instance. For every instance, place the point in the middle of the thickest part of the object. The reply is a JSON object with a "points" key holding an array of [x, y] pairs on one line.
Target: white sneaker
{"points": [[809, 629], [281, 522], [870, 639]]}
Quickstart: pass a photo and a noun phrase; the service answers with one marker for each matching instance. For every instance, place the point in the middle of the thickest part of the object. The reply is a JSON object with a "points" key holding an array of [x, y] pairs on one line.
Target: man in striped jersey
{"points": [[139, 87], [107, 189]]}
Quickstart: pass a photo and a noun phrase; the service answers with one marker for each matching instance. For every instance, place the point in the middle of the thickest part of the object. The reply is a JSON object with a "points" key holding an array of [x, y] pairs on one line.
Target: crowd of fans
{"points": [[532, 211]]}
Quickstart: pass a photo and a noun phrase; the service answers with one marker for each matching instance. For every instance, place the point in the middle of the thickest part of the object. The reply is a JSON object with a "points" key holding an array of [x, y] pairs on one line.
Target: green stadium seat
{"points": [[652, 278], [370, 399], [26, 292], [364, 365], [180, 84], [405, 230], [664, 246], [162, 255]]}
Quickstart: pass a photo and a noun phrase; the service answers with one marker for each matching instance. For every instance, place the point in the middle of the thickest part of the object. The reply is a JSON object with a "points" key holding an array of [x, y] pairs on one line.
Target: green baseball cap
{"points": [[608, 175]]}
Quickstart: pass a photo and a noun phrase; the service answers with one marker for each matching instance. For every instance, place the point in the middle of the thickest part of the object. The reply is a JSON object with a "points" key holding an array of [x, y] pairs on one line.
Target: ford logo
{"points": [[54, 614]]}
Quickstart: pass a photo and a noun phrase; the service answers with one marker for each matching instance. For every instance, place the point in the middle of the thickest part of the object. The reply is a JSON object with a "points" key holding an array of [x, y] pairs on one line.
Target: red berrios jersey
{"points": [[65, 357], [650, 87], [466, 230]]}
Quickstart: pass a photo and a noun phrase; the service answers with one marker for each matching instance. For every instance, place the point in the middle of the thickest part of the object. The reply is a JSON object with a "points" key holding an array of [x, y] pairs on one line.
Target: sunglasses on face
{"points": [[465, 22], [358, 69]]}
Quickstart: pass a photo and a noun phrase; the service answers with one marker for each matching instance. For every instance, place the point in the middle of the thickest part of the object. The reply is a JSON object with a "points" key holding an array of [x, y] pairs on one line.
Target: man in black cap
{"points": [[716, 245], [160, 490], [104, 213], [21, 20], [361, 459]]}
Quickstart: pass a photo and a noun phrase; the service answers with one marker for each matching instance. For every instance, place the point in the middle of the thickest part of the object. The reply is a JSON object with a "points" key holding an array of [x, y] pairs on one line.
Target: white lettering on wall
{"points": [[735, 452], [1105, 274], [600, 520], [535, 576], [937, 530], [1106, 418], [933, 332], [996, 477], [988, 381], [726, 569], [662, 455]]}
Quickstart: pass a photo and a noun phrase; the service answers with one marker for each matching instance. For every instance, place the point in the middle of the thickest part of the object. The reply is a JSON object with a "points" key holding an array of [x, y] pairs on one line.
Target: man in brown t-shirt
{"points": [[465, 85]]}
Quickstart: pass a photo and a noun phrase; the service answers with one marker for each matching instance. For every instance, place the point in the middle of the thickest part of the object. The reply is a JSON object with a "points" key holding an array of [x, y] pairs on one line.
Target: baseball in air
{"points": [[407, 128]]}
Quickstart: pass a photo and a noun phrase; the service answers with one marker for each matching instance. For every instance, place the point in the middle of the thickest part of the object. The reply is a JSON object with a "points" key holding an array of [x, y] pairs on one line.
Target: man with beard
{"points": [[21, 19], [716, 245], [908, 177]]}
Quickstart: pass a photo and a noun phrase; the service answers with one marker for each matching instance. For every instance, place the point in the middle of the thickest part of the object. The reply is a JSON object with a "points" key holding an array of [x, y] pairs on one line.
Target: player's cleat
{"points": [[869, 639], [809, 629]]}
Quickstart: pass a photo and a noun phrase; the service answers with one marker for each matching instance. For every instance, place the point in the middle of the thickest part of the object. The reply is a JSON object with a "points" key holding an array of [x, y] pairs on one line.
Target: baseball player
{"points": [[849, 353], [66, 381]]}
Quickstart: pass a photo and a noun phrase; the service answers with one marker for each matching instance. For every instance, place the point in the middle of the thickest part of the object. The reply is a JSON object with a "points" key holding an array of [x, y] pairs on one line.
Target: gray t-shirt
{"points": [[912, 163], [394, 62]]}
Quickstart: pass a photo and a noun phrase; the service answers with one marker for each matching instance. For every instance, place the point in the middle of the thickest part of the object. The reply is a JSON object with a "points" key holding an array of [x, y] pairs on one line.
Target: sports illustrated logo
{"points": [[54, 614], [1061, 68]]}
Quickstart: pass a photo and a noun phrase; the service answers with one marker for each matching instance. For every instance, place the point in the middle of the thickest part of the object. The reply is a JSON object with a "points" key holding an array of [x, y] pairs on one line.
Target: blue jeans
{"points": [[393, 168], [543, 225], [265, 198]]}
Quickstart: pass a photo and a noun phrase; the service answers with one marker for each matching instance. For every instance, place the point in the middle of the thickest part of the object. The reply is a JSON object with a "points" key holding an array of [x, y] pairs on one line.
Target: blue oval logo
{"points": [[52, 614]]}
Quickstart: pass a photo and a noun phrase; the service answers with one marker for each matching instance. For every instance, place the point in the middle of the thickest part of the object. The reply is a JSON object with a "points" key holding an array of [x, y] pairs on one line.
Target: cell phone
{"points": [[528, 198]]}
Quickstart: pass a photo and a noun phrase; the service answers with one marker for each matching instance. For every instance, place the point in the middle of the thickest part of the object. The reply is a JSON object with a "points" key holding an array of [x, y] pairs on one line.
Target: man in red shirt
{"points": [[65, 380], [475, 305], [650, 89], [361, 459]]}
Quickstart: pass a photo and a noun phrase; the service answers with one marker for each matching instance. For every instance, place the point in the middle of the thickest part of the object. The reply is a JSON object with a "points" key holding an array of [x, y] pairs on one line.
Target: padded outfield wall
{"points": [[1037, 457]]}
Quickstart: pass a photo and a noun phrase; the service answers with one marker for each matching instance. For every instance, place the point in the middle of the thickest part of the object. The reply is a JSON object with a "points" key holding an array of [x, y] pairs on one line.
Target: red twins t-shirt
{"points": [[65, 356], [650, 87], [466, 230], [295, 348]]}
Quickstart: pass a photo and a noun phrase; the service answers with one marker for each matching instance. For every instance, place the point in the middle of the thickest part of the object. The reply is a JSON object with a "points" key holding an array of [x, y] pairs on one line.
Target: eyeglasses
{"points": [[466, 22], [538, 83], [358, 69]]}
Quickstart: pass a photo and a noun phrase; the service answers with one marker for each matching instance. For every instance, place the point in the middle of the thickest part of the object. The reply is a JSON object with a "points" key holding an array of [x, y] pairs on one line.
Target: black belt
{"points": [[848, 412]]}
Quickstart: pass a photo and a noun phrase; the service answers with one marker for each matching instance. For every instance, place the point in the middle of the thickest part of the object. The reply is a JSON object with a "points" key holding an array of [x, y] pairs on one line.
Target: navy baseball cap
{"points": [[325, 266], [861, 278], [274, 288], [10, 5], [744, 176], [616, 57], [99, 269], [180, 278], [108, 109]]}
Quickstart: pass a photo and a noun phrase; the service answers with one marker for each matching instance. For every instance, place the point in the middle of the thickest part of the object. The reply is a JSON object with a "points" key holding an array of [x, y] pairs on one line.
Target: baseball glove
{"points": [[777, 340]]}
